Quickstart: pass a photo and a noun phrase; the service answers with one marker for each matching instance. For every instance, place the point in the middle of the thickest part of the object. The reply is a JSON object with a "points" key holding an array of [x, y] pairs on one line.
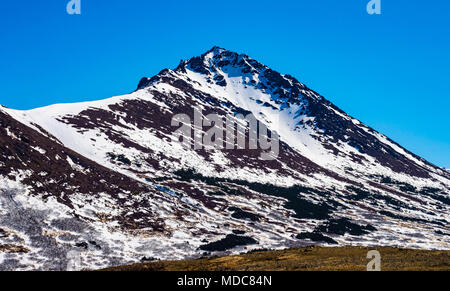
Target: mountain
{"points": [[106, 183]]}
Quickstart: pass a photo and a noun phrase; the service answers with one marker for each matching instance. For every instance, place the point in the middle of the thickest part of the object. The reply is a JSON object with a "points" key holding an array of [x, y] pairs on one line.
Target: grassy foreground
{"points": [[307, 259]]}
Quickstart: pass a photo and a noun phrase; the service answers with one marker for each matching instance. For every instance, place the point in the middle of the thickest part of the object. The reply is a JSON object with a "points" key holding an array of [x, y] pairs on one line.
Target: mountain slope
{"points": [[334, 180]]}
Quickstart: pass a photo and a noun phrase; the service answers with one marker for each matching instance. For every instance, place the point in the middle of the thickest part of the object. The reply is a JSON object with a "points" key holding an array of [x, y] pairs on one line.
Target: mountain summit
{"points": [[109, 179]]}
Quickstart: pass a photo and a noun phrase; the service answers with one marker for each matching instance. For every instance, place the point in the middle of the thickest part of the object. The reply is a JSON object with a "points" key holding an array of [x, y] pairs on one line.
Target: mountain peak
{"points": [[219, 59], [216, 50], [218, 65], [215, 61]]}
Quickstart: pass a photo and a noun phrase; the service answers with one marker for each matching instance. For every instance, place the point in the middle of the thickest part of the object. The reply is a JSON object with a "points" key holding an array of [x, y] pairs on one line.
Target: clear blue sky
{"points": [[391, 71]]}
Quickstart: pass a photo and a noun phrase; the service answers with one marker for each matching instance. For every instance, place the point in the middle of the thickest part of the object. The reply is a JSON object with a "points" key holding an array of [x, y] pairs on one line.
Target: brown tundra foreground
{"points": [[307, 259]]}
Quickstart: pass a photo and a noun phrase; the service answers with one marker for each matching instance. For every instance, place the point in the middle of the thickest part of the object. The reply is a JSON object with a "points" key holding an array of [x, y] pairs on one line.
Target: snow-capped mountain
{"points": [[108, 181]]}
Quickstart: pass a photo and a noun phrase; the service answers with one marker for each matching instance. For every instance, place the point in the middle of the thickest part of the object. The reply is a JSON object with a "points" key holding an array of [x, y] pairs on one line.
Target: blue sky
{"points": [[391, 71]]}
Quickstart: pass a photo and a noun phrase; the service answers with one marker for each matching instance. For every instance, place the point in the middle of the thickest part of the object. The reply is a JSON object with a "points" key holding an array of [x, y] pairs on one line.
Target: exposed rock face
{"points": [[104, 183]]}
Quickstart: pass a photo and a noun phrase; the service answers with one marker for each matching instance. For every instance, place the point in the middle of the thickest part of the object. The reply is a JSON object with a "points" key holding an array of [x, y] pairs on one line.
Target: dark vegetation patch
{"points": [[302, 207], [229, 242], [359, 194], [237, 231], [220, 80], [436, 194], [405, 187], [120, 158], [269, 105], [3, 233], [342, 226], [148, 259], [429, 190], [241, 214], [83, 245], [316, 237], [364, 195]]}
